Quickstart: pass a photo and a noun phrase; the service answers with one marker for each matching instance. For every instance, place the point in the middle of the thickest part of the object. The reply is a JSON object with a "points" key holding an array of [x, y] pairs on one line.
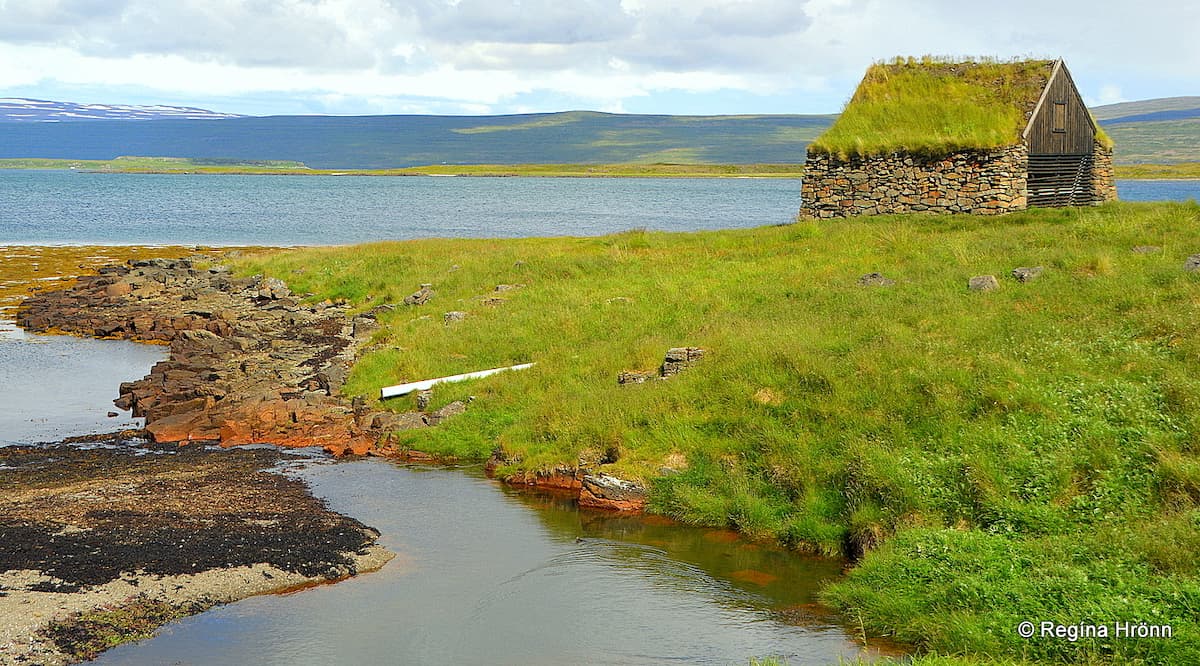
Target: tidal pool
{"points": [[489, 574], [57, 386]]}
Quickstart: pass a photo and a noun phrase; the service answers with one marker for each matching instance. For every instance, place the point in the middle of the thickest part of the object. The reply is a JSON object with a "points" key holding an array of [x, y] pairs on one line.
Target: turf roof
{"points": [[936, 106]]}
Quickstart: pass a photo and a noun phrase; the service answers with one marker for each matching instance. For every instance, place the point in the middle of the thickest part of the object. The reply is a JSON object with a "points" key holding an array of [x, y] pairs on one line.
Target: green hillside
{"points": [[1162, 104], [1145, 132], [1162, 142], [1028, 453]]}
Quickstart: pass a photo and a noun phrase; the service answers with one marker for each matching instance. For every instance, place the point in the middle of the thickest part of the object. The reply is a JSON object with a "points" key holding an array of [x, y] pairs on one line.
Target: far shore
{"points": [[1185, 171], [171, 165]]}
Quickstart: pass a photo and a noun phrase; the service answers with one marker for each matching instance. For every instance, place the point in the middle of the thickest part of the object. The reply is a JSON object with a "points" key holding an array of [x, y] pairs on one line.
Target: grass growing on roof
{"points": [[934, 106], [1028, 452]]}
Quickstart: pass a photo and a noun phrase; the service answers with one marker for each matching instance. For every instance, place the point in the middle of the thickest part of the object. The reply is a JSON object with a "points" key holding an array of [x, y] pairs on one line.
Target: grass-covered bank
{"points": [[1182, 171], [182, 165], [1027, 453]]}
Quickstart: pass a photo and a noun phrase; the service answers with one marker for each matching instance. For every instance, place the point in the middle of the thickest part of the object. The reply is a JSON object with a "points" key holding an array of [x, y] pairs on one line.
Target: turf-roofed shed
{"points": [[945, 136]]}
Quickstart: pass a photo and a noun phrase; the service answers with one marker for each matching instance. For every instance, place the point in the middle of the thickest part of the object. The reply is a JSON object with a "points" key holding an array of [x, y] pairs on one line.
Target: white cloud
{"points": [[489, 53]]}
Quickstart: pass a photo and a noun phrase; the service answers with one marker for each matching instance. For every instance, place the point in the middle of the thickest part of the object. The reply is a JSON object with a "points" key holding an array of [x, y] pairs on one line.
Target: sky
{"points": [[476, 57]]}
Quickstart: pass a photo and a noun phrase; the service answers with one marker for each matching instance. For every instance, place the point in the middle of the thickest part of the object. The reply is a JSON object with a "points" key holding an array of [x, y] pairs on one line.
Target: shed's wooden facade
{"points": [[1061, 137]]}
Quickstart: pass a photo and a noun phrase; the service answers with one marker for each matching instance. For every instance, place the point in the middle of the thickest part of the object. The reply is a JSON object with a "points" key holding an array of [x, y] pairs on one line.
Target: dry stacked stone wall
{"points": [[1104, 183], [980, 182]]}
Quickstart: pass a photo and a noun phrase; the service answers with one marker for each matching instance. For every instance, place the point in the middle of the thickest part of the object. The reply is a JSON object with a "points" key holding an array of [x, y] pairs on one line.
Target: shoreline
{"points": [[793, 171], [110, 543]]}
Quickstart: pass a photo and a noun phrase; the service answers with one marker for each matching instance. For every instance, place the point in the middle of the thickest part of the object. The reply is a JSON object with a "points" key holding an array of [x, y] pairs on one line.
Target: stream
{"points": [[489, 574], [484, 573]]}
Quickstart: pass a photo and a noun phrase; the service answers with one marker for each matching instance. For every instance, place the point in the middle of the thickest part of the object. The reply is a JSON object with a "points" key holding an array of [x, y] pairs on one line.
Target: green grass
{"points": [[554, 120], [1029, 452], [1182, 171], [132, 164], [1159, 142], [168, 165], [934, 106]]}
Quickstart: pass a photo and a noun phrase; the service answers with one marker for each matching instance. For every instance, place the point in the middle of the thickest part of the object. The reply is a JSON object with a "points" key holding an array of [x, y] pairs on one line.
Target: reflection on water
{"points": [[489, 575], [54, 386]]}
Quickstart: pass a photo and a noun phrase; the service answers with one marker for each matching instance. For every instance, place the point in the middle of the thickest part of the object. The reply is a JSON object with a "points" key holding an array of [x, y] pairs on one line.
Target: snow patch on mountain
{"points": [[17, 109]]}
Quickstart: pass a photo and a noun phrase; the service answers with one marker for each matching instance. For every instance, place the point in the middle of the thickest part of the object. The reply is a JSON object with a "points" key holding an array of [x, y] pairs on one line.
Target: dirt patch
{"points": [[104, 544]]}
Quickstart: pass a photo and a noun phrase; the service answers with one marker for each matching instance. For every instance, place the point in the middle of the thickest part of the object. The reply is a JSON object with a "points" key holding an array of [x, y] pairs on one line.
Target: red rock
{"points": [[182, 428], [118, 290]]}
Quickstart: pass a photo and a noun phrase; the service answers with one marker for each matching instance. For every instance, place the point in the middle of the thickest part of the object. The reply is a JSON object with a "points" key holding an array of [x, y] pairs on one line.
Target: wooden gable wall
{"points": [[1061, 124]]}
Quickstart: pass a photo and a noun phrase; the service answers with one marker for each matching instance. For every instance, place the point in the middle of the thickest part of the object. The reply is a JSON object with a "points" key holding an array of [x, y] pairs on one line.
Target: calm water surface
{"points": [[489, 575], [53, 387], [49, 207]]}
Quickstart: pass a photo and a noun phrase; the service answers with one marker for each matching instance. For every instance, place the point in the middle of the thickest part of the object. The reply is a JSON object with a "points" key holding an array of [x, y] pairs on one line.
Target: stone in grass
{"points": [[875, 280], [1192, 264], [983, 283], [635, 377], [453, 316], [1027, 273], [1145, 249], [420, 296], [423, 398]]}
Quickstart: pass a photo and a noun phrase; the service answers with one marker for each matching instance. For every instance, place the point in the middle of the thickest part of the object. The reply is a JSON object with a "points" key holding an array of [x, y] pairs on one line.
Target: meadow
{"points": [[1028, 453]]}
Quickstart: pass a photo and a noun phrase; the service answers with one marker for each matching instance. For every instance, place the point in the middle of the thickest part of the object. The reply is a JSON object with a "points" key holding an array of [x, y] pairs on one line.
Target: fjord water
{"points": [[66, 207], [57, 207], [487, 574], [52, 387]]}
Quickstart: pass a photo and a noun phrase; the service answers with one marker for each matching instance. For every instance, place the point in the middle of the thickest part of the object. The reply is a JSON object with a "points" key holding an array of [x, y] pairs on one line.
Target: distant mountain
{"points": [[1125, 110], [1151, 131], [343, 142], [40, 110]]}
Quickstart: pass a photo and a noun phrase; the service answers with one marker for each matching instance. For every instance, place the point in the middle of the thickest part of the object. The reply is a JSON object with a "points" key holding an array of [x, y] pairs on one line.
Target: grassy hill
{"points": [[1030, 453], [1145, 107], [329, 142], [1141, 133], [1157, 131]]}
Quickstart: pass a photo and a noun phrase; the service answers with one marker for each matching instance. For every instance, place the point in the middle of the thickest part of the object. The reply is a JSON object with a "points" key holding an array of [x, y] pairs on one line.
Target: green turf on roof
{"points": [[933, 107]]}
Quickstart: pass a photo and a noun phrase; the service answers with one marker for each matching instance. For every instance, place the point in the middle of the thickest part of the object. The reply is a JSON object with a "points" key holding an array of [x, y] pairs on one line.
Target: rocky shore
{"points": [[102, 545], [248, 362]]}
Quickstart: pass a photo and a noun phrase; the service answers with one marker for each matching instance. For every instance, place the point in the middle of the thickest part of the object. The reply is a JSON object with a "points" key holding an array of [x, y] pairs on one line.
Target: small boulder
{"points": [[364, 326], [875, 280], [679, 358], [273, 288], [635, 377], [453, 316], [983, 283], [1145, 249], [423, 398], [118, 289], [1027, 273], [601, 491], [420, 296], [453, 409], [1192, 264]]}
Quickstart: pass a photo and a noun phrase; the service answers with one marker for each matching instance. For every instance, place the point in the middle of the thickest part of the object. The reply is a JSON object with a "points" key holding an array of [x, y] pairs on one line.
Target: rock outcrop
{"points": [[676, 360], [248, 362]]}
